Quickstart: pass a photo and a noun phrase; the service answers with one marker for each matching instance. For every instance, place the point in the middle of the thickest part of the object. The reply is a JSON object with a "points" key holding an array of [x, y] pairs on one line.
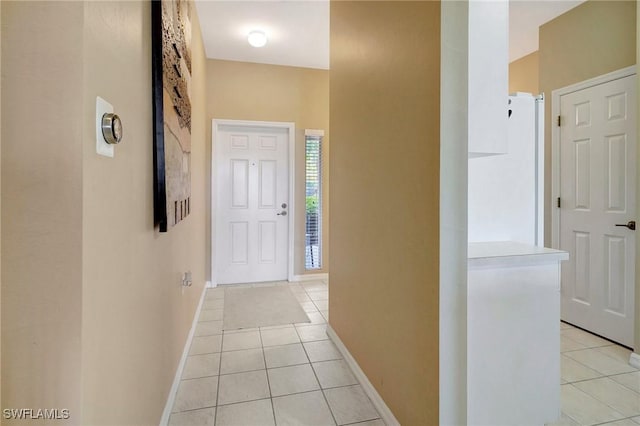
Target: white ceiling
{"points": [[298, 30]]}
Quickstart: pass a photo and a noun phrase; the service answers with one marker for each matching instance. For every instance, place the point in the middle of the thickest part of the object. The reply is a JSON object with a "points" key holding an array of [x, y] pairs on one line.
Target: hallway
{"points": [[293, 374], [280, 375]]}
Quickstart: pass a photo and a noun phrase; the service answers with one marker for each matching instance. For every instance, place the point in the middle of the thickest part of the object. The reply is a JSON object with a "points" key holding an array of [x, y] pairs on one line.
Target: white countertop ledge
{"points": [[509, 253]]}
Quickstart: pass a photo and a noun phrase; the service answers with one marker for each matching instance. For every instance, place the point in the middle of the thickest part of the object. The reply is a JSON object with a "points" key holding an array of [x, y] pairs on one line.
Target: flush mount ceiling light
{"points": [[257, 38]]}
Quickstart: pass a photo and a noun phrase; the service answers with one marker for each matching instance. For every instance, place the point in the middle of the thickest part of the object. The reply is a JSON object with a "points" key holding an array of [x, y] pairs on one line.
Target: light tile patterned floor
{"points": [[281, 375], [294, 375], [598, 386]]}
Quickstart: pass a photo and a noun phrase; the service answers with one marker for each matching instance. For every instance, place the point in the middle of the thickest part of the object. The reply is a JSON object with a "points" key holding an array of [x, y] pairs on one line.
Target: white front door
{"points": [[252, 224], [597, 193]]}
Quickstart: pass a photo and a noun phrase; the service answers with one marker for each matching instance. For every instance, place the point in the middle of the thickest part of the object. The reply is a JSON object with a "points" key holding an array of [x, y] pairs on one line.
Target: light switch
{"points": [[102, 147]]}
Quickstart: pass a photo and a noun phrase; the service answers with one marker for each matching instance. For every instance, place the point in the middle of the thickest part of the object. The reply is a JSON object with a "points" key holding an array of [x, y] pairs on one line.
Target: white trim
{"points": [[213, 201], [210, 284], [164, 420], [314, 132], [385, 413], [555, 139], [453, 226], [634, 360], [291, 128], [311, 277], [540, 202]]}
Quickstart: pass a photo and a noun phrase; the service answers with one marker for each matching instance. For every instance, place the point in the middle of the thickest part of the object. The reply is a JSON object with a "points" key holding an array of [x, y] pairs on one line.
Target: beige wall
{"points": [[42, 205], [248, 91], [384, 108], [94, 318], [523, 74], [135, 316], [592, 39]]}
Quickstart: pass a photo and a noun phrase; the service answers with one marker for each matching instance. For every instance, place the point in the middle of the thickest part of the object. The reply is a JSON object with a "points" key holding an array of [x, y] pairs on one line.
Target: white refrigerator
{"points": [[506, 191]]}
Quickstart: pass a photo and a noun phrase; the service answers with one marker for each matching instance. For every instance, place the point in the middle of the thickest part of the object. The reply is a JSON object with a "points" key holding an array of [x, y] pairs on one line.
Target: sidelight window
{"points": [[313, 192]]}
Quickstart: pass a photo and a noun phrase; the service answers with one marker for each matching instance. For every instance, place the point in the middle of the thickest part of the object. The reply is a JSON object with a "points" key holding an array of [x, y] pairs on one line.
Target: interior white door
{"points": [[252, 226], [597, 192]]}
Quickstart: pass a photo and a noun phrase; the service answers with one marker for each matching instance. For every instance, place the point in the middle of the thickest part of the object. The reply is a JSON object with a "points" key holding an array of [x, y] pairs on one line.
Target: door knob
{"points": [[282, 213], [631, 225]]}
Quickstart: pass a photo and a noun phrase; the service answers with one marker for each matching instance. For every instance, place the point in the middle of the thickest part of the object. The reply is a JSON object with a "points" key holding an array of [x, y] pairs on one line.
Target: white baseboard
{"points": [[164, 420], [385, 413], [210, 284], [634, 360], [311, 277]]}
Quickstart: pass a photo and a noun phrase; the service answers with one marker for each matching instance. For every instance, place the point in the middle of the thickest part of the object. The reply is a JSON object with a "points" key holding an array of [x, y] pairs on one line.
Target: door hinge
{"points": [[559, 121], [558, 202]]}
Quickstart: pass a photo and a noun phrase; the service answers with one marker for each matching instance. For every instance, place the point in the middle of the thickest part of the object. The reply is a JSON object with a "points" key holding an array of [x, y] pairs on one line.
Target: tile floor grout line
{"points": [[626, 387], [193, 409], [583, 380], [609, 356], [333, 416], [215, 414], [242, 402], [601, 402], [581, 349], [612, 421], [362, 422], [266, 373], [586, 366]]}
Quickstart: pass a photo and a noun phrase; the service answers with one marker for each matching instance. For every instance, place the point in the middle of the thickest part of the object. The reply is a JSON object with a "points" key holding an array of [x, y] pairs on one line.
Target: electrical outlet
{"points": [[186, 279]]}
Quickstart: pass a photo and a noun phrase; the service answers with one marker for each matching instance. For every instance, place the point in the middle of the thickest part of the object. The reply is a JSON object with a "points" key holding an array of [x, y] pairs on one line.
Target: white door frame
{"points": [[555, 139], [215, 129]]}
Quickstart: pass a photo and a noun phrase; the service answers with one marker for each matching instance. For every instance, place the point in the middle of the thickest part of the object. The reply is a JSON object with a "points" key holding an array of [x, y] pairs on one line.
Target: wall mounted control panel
{"points": [[102, 146]]}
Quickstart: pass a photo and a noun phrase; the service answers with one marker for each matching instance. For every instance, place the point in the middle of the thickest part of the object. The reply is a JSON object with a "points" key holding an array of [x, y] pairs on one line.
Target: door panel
{"points": [[268, 241], [268, 184], [252, 186], [597, 189], [239, 242], [240, 184], [582, 283]]}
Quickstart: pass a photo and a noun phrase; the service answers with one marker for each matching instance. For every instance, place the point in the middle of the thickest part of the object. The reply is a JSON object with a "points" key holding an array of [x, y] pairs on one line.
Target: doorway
{"points": [[252, 201], [594, 188]]}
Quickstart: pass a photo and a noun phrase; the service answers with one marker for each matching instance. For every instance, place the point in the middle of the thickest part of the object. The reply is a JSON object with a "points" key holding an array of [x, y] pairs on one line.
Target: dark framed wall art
{"points": [[171, 68]]}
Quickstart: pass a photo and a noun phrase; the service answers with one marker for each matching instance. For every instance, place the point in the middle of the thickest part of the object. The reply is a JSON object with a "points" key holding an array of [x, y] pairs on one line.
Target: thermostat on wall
{"points": [[111, 128], [104, 108]]}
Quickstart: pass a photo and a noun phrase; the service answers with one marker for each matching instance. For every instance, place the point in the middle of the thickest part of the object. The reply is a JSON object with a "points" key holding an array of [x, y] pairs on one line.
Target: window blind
{"points": [[313, 192]]}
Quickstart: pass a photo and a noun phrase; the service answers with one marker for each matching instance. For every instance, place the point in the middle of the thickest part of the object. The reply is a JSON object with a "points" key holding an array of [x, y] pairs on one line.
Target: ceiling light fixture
{"points": [[257, 38]]}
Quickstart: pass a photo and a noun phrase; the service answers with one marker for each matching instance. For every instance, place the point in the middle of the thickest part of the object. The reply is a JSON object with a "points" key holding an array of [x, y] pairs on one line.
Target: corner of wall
{"points": [[0, 204], [523, 74], [453, 212], [637, 294]]}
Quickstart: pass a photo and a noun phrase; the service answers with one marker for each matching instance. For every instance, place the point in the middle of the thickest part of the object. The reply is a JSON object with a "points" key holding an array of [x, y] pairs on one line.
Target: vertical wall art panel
{"points": [[171, 56]]}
